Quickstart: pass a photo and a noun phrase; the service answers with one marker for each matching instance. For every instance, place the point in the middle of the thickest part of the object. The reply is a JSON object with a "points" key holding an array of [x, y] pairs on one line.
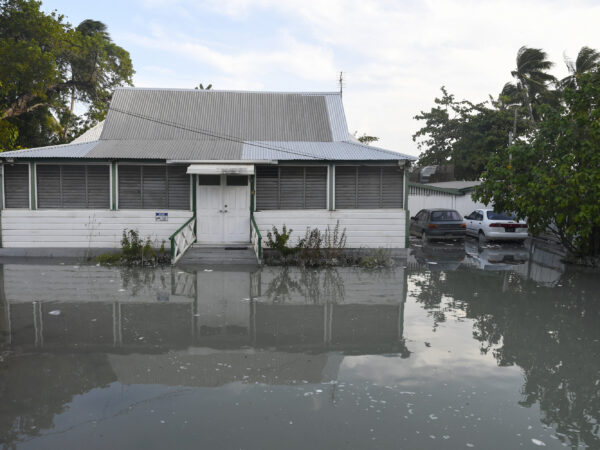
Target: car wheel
{"points": [[482, 238]]}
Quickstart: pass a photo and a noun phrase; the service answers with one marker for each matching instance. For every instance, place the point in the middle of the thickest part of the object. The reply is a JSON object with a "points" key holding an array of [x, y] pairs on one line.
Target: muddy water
{"points": [[457, 347]]}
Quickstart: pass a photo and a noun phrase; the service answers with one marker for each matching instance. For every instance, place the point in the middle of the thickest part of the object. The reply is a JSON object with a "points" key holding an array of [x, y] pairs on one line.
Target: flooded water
{"points": [[457, 347]]}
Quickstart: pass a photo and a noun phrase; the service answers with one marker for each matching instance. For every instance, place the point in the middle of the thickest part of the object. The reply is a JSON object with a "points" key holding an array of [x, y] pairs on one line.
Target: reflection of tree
{"points": [[316, 286], [551, 333]]}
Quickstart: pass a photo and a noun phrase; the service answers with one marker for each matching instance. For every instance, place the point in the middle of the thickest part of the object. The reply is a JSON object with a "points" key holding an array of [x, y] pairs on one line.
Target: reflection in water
{"points": [[255, 344]]}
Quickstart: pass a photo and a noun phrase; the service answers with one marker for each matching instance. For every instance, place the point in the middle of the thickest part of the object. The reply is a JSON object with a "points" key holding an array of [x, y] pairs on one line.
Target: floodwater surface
{"points": [[494, 347]]}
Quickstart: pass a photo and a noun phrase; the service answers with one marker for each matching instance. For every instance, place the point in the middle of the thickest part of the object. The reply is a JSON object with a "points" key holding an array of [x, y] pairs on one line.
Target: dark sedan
{"points": [[438, 224]]}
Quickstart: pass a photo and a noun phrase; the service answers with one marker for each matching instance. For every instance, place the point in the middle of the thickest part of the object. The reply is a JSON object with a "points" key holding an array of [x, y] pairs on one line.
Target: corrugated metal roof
{"points": [[153, 149], [53, 151], [337, 117], [455, 184], [317, 150], [211, 115], [93, 134]]}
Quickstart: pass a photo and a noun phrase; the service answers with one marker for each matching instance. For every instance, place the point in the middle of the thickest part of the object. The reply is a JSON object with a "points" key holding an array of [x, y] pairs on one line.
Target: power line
{"points": [[212, 134]]}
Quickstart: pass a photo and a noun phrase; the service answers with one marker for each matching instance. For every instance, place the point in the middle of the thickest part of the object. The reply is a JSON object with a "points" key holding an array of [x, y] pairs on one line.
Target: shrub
{"points": [[377, 258], [134, 252], [278, 241]]}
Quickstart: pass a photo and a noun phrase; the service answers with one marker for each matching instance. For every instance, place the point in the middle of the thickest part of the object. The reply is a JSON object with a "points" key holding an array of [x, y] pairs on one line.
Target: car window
{"points": [[421, 215], [444, 216], [500, 216], [479, 216], [472, 215]]}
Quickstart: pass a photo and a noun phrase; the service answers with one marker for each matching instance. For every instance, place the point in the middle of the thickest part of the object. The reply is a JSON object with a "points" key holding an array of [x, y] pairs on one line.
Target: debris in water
{"points": [[208, 270], [121, 290], [538, 442], [55, 312]]}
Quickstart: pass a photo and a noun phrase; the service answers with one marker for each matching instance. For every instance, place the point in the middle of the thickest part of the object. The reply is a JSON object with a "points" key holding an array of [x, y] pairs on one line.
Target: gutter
{"points": [[220, 161]]}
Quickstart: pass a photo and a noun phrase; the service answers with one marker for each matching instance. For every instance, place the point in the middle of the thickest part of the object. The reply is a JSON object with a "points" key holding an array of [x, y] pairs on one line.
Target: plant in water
{"points": [[135, 251], [377, 258], [279, 241]]}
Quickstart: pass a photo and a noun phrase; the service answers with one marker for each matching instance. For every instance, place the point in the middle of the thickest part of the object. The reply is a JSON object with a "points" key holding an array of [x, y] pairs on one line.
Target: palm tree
{"points": [[587, 60], [531, 76]]}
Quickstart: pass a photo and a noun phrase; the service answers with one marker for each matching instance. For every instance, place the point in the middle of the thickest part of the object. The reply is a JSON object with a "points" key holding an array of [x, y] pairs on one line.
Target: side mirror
{"points": [[467, 218], [413, 218]]}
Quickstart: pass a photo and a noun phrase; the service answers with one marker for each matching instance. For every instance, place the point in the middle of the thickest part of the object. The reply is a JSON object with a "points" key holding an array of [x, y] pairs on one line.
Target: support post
{"points": [[113, 172], [194, 184], [32, 185], [331, 184], [405, 206]]}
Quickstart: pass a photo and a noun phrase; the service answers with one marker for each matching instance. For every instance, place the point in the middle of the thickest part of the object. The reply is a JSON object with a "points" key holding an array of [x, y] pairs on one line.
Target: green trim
{"points": [[439, 189], [258, 236], [405, 204], [331, 184], [32, 192], [113, 171], [194, 183], [172, 237]]}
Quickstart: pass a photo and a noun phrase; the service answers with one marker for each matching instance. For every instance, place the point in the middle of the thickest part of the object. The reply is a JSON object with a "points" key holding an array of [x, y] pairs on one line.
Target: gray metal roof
{"points": [[456, 184], [93, 134], [53, 151], [317, 150], [181, 150], [176, 124], [212, 115]]}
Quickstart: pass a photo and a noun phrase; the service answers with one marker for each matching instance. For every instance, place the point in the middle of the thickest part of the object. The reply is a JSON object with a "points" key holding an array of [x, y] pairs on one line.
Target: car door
{"points": [[414, 224], [478, 222], [469, 222]]}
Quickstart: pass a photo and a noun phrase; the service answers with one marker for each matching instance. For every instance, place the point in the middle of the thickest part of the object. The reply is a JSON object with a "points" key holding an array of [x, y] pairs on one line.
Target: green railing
{"points": [[256, 239], [182, 239]]}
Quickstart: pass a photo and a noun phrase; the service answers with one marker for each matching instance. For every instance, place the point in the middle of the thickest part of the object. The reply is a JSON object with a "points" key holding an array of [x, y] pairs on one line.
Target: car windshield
{"points": [[500, 216], [444, 216]]}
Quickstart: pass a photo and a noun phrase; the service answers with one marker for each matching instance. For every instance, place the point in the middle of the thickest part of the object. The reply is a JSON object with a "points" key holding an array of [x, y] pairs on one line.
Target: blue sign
{"points": [[161, 217]]}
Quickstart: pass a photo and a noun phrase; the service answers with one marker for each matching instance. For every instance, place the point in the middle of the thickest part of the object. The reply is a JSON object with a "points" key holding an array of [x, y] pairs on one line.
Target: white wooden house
{"points": [[211, 167]]}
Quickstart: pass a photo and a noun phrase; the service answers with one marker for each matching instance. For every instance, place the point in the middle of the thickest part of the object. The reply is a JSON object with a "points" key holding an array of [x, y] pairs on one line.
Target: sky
{"points": [[394, 55]]}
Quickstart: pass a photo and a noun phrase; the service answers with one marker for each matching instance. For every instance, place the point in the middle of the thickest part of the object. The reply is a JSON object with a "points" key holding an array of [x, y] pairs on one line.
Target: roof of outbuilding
{"points": [[177, 124]]}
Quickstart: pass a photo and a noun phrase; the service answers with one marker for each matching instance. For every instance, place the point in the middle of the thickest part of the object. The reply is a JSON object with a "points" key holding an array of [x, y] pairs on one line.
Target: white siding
{"points": [[84, 228], [369, 228], [464, 204]]}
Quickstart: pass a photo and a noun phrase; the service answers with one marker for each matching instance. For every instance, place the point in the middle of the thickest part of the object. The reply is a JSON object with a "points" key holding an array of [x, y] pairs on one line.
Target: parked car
{"points": [[486, 224], [437, 224]]}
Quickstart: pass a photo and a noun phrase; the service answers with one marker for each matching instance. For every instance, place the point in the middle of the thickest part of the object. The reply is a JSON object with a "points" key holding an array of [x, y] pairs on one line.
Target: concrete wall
{"points": [[84, 228], [365, 228]]}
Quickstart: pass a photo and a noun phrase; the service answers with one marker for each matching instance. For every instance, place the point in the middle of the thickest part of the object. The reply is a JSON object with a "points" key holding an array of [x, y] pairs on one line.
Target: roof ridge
{"points": [[237, 91]]}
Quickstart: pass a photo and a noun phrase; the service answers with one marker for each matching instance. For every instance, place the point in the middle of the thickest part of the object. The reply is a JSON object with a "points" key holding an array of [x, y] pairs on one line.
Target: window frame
{"points": [[71, 163], [302, 166]]}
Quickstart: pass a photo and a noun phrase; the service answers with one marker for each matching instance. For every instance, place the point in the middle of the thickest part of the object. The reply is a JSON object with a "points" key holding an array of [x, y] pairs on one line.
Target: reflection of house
{"points": [[174, 310]]}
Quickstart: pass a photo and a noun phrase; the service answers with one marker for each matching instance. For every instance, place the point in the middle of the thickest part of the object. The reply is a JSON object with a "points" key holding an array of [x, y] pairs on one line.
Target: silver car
{"points": [[486, 224]]}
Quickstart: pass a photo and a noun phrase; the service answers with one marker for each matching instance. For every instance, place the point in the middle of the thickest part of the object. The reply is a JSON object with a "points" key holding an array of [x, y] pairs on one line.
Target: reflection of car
{"points": [[487, 224], [437, 224], [496, 257], [440, 255]]}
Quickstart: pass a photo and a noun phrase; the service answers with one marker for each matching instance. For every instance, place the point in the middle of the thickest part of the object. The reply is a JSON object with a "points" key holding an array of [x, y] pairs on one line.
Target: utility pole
{"points": [[341, 81], [512, 134]]}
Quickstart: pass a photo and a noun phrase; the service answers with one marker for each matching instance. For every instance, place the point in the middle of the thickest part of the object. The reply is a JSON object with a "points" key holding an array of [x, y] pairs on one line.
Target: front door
{"points": [[223, 209]]}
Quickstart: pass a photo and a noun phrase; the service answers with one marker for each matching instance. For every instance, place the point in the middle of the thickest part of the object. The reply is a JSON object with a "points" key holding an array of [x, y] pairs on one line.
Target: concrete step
{"points": [[222, 255]]}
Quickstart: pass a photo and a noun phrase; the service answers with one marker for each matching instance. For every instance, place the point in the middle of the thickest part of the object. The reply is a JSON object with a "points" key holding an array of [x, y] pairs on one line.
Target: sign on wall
{"points": [[161, 217]]}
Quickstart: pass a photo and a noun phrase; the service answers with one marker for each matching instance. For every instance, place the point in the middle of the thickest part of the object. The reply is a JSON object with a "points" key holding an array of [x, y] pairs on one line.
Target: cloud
{"points": [[396, 55]]}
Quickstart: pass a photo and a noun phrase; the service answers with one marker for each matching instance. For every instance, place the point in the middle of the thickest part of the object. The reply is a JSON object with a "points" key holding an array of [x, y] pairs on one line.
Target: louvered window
{"points": [[291, 187], [153, 187], [368, 187], [73, 186], [16, 185]]}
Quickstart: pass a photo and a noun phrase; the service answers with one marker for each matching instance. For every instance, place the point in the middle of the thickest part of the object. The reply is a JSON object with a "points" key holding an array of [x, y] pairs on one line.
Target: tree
{"points": [[532, 78], [462, 133], [587, 60], [201, 87], [553, 179], [47, 66], [365, 138]]}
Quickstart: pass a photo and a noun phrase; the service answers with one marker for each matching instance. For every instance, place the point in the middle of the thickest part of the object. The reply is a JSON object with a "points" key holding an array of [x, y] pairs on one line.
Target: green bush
{"points": [[135, 252]]}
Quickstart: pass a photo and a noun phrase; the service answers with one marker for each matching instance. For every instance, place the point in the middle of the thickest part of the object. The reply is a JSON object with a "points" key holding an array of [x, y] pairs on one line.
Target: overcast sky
{"points": [[395, 55]]}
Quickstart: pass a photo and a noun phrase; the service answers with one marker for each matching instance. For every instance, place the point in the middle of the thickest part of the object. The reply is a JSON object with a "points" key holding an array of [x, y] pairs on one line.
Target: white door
{"points": [[223, 209]]}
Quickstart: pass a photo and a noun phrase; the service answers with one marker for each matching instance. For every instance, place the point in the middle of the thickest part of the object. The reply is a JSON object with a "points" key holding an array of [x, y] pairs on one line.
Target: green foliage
{"points": [[463, 134], [134, 252], [201, 87], [366, 139], [554, 179], [47, 65], [377, 258], [279, 241]]}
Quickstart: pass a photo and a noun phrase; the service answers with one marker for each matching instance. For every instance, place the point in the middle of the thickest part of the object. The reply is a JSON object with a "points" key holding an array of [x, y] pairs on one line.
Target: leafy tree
{"points": [[553, 179], [587, 60], [532, 78], [366, 139], [46, 63], [201, 87], [462, 133]]}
